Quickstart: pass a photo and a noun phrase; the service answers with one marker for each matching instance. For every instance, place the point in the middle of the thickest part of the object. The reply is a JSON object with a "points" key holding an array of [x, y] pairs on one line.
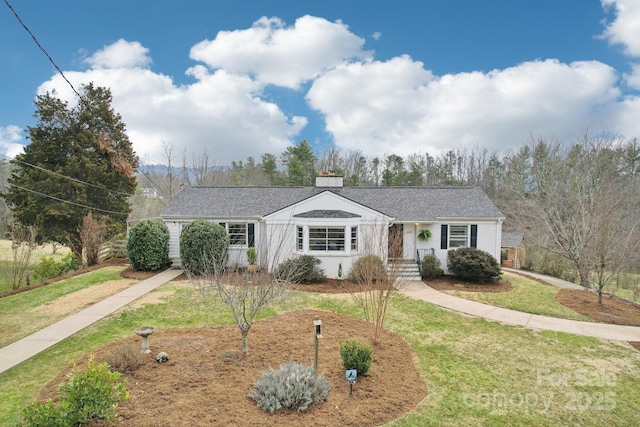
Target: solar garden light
{"points": [[317, 327]]}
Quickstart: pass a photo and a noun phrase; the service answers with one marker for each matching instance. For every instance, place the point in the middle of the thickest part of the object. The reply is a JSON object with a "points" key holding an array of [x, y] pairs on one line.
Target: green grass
{"points": [[18, 313], [6, 260], [477, 371], [528, 296]]}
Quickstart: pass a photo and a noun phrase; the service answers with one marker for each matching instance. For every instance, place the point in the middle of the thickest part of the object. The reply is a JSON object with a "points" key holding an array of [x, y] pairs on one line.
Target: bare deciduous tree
{"points": [[378, 274], [579, 202], [246, 294], [16, 269]]}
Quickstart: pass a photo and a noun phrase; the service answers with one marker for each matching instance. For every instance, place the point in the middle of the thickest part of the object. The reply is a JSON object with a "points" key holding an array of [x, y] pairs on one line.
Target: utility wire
{"points": [[70, 202], [67, 177], [40, 46], [44, 51]]}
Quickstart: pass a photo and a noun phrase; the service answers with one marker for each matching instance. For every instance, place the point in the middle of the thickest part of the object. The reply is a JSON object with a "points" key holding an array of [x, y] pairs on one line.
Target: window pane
{"points": [[326, 239], [354, 238], [300, 239], [237, 234], [458, 236]]}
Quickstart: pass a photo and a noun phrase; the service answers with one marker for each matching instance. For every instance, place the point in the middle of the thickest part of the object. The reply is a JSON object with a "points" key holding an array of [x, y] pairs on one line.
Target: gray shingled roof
{"points": [[401, 203], [511, 240]]}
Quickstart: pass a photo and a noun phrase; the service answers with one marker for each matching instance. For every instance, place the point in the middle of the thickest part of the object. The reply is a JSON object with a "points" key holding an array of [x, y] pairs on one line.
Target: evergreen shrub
{"points": [[148, 245], [430, 268], [204, 248], [473, 264], [90, 395], [367, 269], [301, 269], [356, 355], [49, 267]]}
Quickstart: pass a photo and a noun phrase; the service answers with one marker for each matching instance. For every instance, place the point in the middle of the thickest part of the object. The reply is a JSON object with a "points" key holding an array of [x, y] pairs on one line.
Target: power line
{"points": [[67, 177], [40, 47], [70, 202]]}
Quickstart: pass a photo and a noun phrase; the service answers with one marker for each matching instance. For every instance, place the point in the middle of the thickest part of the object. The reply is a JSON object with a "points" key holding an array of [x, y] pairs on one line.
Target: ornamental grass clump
{"points": [[292, 386]]}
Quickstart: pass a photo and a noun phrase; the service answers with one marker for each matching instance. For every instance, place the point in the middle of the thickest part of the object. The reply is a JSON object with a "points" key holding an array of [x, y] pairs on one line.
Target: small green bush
{"points": [[473, 265], [47, 414], [301, 269], [125, 358], [148, 245], [292, 386], [356, 355], [430, 268], [367, 269], [204, 248], [91, 395], [49, 267]]}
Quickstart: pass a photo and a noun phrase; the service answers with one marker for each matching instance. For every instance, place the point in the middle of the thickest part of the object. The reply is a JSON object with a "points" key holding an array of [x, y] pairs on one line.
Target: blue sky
{"points": [[245, 78]]}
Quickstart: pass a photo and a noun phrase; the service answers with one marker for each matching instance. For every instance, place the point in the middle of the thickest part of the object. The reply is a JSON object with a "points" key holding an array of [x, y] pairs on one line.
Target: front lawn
{"points": [[478, 373]]}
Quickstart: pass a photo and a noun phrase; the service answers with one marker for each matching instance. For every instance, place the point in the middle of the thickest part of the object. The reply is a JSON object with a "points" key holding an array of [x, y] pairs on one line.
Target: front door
{"points": [[396, 233]]}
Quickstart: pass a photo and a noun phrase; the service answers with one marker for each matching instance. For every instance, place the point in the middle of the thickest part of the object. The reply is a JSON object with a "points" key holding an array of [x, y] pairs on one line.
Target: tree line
{"points": [[577, 199]]}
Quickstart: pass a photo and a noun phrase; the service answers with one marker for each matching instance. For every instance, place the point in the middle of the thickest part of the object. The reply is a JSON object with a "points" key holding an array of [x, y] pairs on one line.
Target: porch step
{"points": [[405, 269]]}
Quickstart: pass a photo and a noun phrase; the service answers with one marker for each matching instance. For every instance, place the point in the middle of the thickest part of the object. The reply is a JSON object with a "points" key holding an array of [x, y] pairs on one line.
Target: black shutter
{"points": [[474, 235], [444, 235], [251, 233]]}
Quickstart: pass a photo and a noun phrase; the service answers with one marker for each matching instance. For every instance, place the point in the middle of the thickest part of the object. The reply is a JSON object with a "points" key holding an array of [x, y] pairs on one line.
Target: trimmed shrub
{"points": [[369, 268], [473, 265], [430, 268], [91, 395], [301, 269], [292, 386], [49, 267], [148, 245], [356, 355], [204, 247]]}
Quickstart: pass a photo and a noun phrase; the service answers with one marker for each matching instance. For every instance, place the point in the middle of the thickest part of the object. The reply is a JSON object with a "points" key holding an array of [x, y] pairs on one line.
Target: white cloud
{"points": [[633, 79], [399, 107], [380, 107], [10, 141], [221, 111], [121, 54], [625, 28], [281, 55]]}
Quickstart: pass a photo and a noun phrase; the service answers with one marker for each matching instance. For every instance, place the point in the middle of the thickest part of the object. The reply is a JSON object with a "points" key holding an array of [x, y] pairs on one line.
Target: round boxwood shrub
{"points": [[356, 355], [148, 245], [473, 264], [430, 268], [301, 269], [367, 269], [204, 248]]}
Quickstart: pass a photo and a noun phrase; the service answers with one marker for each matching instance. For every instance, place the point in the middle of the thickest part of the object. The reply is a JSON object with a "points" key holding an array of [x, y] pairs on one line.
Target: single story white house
{"points": [[339, 224]]}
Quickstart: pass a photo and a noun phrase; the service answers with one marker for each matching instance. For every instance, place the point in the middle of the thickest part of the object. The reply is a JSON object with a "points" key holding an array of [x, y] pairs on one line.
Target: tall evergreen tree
{"points": [[79, 160]]}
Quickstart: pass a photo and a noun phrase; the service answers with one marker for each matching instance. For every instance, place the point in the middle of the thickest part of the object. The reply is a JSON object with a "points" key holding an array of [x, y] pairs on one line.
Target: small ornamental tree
{"points": [[148, 245], [204, 246], [473, 264]]}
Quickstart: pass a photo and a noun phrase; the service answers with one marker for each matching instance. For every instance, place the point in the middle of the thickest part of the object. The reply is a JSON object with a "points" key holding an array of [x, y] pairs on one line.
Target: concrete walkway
{"points": [[420, 291], [21, 350]]}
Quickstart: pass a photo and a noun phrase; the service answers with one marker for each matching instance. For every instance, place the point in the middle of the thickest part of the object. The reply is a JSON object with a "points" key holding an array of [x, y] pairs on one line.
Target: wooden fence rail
{"points": [[113, 249]]}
